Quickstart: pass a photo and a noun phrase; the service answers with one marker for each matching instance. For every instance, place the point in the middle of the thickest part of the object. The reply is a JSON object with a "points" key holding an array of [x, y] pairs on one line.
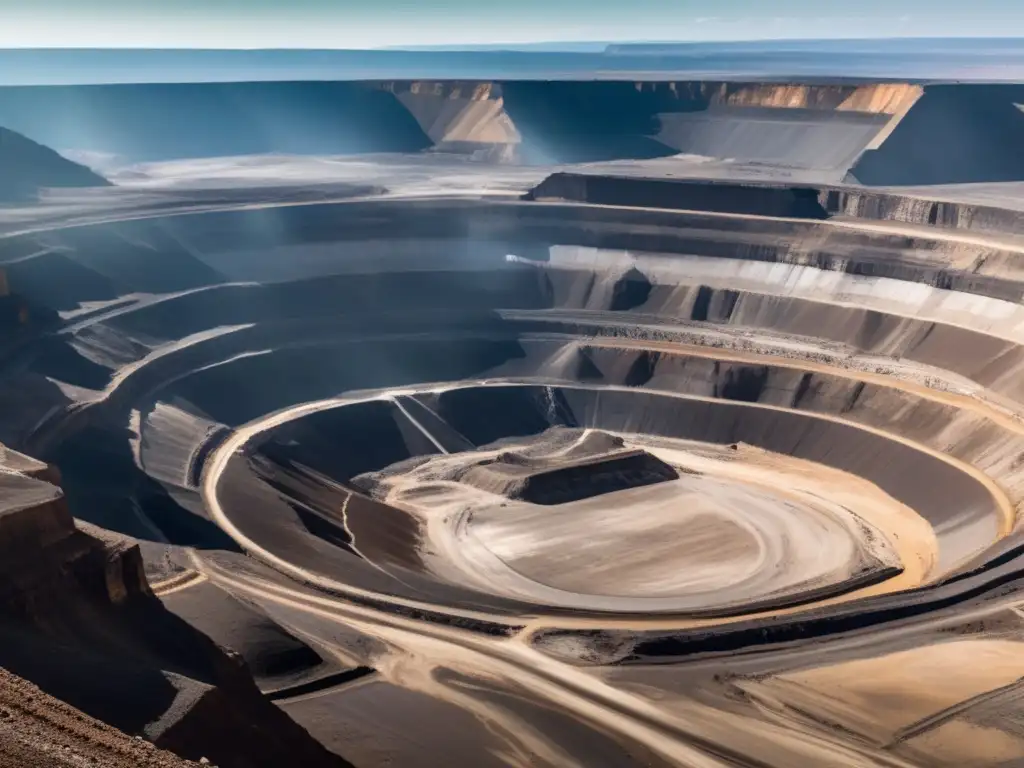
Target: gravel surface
{"points": [[40, 731]]}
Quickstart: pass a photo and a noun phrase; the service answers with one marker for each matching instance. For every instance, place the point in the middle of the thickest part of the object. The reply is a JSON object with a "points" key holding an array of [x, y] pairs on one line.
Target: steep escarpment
{"points": [[26, 167], [767, 199], [81, 623], [821, 126], [459, 116], [816, 126], [873, 98], [159, 122], [509, 121], [953, 135], [799, 126], [884, 134]]}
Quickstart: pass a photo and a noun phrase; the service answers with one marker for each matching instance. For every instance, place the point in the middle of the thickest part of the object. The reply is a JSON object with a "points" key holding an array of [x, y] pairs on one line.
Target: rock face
{"points": [[458, 113], [40, 731], [773, 199], [884, 134], [186, 120], [507, 121], [26, 167], [80, 621]]}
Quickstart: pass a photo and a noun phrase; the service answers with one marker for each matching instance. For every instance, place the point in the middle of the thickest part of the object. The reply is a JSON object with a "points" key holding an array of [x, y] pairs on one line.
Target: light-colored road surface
{"points": [[671, 734], [241, 437]]}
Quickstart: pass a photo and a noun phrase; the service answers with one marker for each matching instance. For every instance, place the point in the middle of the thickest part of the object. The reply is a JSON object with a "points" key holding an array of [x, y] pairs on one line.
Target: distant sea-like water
{"points": [[927, 60]]}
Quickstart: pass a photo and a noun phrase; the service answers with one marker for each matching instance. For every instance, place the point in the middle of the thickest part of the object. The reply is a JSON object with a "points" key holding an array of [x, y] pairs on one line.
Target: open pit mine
{"points": [[513, 424]]}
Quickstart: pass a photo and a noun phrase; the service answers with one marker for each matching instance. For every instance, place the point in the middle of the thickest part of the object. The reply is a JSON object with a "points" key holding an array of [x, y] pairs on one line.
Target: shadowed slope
{"points": [[26, 166], [160, 122], [953, 135]]}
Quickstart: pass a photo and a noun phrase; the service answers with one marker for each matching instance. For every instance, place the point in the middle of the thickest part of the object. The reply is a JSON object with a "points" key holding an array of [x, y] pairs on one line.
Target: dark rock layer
{"points": [[26, 167], [78, 619]]}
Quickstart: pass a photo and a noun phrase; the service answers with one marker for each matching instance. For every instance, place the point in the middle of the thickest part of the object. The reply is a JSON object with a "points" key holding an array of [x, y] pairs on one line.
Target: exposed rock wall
{"points": [[166, 121], [774, 200], [914, 210], [886, 134], [80, 621], [40, 731], [540, 121], [955, 134], [27, 167], [795, 202], [876, 98], [470, 113], [802, 125]]}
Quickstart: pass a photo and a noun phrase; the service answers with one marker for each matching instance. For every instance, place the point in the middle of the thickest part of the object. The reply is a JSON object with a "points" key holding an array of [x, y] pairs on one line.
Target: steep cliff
{"points": [[472, 113], [168, 121], [799, 125], [40, 731], [882, 134], [955, 134], [774, 199], [520, 121], [80, 622]]}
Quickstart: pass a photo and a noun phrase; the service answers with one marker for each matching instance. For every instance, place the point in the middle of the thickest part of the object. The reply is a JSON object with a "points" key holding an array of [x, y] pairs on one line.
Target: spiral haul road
{"points": [[630, 483]]}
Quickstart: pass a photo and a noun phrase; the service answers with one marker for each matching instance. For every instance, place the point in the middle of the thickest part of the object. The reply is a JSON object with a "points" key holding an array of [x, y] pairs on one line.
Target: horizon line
{"points": [[478, 47]]}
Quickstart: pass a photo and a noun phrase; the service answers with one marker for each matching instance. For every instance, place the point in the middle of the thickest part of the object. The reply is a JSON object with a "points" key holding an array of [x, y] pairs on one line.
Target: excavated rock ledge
{"points": [[878, 134], [754, 199], [40, 731], [78, 619]]}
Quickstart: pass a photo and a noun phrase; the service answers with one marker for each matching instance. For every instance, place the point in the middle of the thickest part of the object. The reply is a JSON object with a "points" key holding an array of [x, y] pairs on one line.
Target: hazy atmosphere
{"points": [[378, 23], [534, 384]]}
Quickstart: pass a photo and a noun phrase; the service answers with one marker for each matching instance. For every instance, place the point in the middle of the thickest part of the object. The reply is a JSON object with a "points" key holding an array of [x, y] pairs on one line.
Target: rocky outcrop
{"points": [[955, 134], [804, 125], [456, 112], [497, 121], [40, 731], [880, 206], [27, 167], [874, 98], [170, 121], [774, 200], [882, 134], [80, 621]]}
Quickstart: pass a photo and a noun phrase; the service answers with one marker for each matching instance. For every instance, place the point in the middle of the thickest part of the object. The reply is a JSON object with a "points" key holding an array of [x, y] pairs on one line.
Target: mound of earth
{"points": [[566, 479]]}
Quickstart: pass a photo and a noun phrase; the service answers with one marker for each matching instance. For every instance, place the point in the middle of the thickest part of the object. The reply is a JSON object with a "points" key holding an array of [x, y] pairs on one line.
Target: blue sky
{"points": [[380, 23]]}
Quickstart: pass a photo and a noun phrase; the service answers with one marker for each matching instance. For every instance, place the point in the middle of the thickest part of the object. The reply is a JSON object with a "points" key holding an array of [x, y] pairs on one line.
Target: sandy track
{"points": [[578, 691], [241, 437]]}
